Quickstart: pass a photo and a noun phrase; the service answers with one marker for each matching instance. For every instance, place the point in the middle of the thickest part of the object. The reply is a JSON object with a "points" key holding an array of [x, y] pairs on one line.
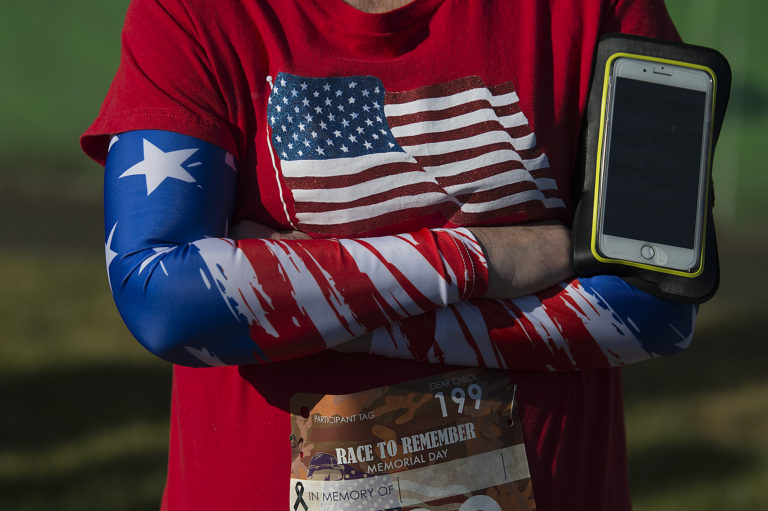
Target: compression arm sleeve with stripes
{"points": [[587, 323], [193, 297]]}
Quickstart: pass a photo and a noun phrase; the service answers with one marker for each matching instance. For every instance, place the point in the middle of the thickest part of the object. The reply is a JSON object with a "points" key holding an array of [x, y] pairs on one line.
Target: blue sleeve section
{"points": [[663, 327], [162, 191]]}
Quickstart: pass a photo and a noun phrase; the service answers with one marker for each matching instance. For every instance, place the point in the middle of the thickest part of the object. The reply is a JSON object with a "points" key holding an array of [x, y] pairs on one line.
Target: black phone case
{"points": [[688, 289]]}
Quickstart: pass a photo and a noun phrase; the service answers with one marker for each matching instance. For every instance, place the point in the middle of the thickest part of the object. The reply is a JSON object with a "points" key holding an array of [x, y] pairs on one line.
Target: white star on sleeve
{"points": [[159, 251], [205, 356], [109, 253], [230, 161], [158, 165]]}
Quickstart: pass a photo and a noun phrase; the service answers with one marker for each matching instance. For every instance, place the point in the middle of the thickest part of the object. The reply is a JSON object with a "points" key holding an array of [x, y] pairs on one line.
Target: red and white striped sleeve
{"points": [[303, 296], [587, 323]]}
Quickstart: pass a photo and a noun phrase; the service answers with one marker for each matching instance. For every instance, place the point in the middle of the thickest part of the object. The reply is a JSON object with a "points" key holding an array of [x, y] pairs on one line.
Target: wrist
{"points": [[524, 259]]}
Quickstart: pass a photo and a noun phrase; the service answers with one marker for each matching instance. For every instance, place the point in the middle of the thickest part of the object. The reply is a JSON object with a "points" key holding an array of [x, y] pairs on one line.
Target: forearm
{"points": [[583, 324], [541, 319], [525, 259]]}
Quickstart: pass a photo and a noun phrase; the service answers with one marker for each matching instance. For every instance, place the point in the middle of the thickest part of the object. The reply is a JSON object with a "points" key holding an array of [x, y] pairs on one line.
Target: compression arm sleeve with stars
{"points": [[195, 298]]}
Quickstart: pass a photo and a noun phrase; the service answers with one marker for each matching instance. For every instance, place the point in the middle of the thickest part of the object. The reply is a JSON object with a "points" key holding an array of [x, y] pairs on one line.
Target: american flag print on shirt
{"points": [[356, 157]]}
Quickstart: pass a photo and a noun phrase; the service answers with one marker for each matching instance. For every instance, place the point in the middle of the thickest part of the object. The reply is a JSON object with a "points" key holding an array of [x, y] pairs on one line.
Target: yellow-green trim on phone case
{"points": [[599, 158]]}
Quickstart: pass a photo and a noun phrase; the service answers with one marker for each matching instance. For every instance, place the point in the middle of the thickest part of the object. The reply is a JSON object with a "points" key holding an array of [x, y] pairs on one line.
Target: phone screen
{"points": [[654, 163]]}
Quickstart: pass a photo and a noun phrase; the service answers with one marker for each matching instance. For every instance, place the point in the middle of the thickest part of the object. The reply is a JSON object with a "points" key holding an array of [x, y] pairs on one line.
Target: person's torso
{"points": [[444, 113]]}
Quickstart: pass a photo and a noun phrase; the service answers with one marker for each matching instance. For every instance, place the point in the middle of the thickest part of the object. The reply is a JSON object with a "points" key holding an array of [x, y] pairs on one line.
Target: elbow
{"points": [[160, 340], [157, 332], [158, 314], [177, 315], [185, 343], [656, 327], [667, 327]]}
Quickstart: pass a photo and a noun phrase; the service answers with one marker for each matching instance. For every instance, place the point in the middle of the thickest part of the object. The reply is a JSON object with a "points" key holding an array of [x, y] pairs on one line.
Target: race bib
{"points": [[451, 442]]}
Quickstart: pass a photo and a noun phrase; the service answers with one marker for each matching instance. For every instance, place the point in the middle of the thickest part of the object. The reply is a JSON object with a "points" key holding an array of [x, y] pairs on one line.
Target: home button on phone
{"points": [[647, 252]]}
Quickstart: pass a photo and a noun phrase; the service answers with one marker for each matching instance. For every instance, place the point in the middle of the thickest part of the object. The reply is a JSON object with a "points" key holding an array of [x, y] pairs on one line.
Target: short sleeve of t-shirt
{"points": [[165, 81], [648, 18]]}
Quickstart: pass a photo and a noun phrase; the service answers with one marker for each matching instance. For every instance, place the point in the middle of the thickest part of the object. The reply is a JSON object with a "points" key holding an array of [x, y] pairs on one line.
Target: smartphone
{"points": [[654, 168]]}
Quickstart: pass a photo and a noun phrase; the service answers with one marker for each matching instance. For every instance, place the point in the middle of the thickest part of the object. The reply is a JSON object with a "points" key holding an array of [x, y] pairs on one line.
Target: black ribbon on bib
{"points": [[299, 488]]}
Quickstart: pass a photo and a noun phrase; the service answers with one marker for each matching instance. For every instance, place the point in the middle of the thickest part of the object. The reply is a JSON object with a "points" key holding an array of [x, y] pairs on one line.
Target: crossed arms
{"points": [[494, 297]]}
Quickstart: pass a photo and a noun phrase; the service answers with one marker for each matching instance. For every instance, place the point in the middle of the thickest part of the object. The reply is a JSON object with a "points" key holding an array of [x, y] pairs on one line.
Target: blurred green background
{"points": [[84, 415]]}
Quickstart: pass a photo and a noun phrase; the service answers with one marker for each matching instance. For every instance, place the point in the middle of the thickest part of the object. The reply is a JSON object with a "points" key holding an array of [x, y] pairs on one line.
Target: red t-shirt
{"points": [[208, 69]]}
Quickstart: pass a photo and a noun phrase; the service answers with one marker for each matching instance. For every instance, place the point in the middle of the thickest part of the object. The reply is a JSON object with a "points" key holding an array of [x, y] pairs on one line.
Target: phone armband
{"points": [[698, 283]]}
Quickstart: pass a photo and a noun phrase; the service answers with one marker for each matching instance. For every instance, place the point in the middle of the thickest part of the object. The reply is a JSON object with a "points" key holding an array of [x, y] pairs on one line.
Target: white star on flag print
{"points": [[158, 165], [355, 156]]}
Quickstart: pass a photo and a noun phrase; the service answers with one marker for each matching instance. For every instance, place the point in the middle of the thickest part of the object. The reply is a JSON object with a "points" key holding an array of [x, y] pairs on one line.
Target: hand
{"points": [[252, 230], [525, 259]]}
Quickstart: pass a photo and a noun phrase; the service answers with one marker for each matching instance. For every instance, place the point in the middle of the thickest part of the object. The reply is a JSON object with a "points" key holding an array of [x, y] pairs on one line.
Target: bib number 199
{"points": [[459, 397]]}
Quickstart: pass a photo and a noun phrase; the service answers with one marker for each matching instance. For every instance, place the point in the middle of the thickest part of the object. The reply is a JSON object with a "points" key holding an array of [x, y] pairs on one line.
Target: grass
{"points": [[58, 61], [85, 409], [703, 452], [736, 29], [696, 422]]}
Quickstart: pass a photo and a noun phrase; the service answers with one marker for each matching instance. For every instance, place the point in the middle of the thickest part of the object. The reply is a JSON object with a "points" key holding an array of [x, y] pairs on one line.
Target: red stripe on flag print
{"points": [[363, 205], [476, 143], [349, 180], [339, 193], [519, 133], [512, 111], [392, 222]]}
